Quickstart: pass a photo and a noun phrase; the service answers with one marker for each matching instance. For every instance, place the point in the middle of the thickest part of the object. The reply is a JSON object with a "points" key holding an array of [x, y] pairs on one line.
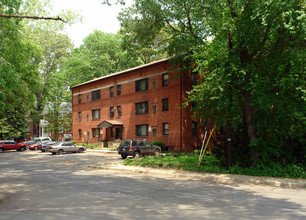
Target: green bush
{"points": [[160, 144]]}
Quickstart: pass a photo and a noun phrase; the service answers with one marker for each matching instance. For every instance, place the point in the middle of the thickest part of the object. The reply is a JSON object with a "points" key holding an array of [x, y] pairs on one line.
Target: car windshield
{"points": [[57, 144]]}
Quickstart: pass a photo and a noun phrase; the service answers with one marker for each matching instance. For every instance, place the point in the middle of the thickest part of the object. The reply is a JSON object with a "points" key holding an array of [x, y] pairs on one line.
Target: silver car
{"points": [[62, 147]]}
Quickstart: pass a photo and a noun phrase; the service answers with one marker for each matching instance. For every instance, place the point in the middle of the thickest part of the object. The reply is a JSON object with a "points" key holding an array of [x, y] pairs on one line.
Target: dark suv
{"points": [[11, 145], [136, 148]]}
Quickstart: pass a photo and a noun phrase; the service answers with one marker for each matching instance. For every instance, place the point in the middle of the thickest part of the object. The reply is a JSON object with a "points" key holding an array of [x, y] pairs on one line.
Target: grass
{"points": [[189, 162]]}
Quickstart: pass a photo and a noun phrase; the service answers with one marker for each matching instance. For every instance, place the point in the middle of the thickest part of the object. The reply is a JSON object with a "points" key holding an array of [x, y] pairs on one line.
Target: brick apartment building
{"points": [[139, 103]]}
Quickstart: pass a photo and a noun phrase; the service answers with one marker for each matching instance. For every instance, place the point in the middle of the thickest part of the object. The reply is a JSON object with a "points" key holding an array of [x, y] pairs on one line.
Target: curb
{"points": [[210, 177]]}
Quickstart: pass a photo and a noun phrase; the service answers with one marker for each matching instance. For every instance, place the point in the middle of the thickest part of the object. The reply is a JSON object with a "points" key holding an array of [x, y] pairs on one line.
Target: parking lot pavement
{"points": [[212, 177]]}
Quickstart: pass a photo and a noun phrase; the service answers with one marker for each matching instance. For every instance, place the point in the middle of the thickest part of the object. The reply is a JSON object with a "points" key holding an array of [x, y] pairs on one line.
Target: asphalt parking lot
{"points": [[91, 185]]}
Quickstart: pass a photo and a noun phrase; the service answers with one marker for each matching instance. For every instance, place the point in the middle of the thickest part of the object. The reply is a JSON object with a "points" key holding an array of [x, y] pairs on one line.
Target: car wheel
{"points": [[22, 149], [60, 151], [53, 153], [123, 156], [80, 150], [1, 150], [156, 152], [137, 154]]}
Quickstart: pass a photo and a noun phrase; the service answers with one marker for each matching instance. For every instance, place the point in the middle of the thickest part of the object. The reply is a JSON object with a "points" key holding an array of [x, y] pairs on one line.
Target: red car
{"points": [[11, 145], [37, 146]]}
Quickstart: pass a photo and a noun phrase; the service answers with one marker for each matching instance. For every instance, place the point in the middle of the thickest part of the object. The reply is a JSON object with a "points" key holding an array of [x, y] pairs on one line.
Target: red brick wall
{"points": [[179, 138]]}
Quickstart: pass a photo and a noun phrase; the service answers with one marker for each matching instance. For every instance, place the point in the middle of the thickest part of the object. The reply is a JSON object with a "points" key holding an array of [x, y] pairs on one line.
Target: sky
{"points": [[96, 16]]}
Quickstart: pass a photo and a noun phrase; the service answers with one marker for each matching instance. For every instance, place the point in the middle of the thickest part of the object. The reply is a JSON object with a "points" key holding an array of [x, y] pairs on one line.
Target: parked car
{"points": [[37, 140], [29, 142], [37, 146], [45, 146], [136, 148], [40, 139], [11, 145], [62, 147]]}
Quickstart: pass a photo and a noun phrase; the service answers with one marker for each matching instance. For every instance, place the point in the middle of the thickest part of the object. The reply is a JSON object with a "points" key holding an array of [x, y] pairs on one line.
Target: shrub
{"points": [[160, 144]]}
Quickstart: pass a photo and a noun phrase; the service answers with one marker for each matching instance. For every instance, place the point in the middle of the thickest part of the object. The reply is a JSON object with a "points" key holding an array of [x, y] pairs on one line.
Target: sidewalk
{"points": [[211, 177]]}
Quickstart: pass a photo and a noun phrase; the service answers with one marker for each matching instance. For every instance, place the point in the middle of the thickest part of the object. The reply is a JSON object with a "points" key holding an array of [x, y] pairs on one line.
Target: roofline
{"points": [[122, 72]]}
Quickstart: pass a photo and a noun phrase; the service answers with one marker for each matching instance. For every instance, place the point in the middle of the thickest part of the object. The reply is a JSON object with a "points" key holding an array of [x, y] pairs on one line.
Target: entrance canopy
{"points": [[110, 123]]}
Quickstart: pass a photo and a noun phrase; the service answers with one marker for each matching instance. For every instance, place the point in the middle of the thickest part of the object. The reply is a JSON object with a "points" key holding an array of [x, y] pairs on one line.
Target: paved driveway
{"points": [[35, 185]]}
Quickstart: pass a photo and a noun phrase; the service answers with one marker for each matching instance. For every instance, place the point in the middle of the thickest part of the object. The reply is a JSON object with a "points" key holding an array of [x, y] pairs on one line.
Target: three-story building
{"points": [[144, 102]]}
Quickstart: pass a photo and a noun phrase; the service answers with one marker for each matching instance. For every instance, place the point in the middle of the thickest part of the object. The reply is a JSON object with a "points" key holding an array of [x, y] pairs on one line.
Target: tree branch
{"points": [[31, 17]]}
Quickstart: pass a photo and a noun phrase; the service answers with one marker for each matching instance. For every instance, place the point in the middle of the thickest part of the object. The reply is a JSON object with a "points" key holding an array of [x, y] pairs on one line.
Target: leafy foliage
{"points": [[249, 55], [17, 70], [99, 55], [160, 144]]}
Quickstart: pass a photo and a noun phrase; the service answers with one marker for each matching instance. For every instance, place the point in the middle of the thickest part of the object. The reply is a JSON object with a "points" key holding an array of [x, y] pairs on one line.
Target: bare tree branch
{"points": [[31, 17]]}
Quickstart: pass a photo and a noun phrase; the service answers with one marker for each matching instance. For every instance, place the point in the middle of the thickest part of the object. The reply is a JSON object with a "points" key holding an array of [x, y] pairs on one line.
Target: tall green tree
{"points": [[55, 47], [250, 58], [18, 69], [99, 55]]}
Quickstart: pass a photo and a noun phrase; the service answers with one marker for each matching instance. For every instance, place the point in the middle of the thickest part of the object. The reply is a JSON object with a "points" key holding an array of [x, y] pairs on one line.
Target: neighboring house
{"points": [[139, 103], [64, 108]]}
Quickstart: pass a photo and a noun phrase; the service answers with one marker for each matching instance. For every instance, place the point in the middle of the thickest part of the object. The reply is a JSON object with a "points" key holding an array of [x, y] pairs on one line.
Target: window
{"points": [[142, 108], [79, 99], [165, 79], [95, 95], [79, 116], [95, 114], [154, 84], [154, 132], [194, 127], [119, 111], [118, 90], [154, 109], [141, 130], [87, 98], [80, 133], [95, 132], [141, 85], [87, 117], [111, 91], [111, 112], [165, 128], [165, 104]]}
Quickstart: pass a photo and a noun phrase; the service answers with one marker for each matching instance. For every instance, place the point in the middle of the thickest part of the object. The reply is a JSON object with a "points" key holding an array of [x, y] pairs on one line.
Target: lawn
{"points": [[189, 162]]}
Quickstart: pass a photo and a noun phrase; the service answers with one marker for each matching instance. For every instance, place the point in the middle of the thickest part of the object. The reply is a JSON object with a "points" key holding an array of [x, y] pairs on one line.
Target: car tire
{"points": [[1, 150], [137, 154], [156, 152], [22, 149], [53, 153], [123, 156], [60, 151], [81, 150]]}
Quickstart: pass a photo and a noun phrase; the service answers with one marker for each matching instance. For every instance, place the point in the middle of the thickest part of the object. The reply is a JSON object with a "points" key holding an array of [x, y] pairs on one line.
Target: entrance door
{"points": [[119, 133]]}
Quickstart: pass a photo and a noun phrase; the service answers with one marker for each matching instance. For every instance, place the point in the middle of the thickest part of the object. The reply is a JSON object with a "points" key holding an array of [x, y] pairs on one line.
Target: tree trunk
{"points": [[249, 121]]}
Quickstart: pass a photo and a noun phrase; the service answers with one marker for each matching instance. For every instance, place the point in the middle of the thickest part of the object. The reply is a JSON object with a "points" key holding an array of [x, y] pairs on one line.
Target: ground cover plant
{"points": [[189, 162]]}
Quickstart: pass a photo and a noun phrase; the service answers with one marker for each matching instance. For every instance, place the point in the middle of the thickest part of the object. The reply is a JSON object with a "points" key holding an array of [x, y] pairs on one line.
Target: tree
{"points": [[148, 49], [250, 58], [30, 53], [18, 59], [99, 55], [55, 47]]}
